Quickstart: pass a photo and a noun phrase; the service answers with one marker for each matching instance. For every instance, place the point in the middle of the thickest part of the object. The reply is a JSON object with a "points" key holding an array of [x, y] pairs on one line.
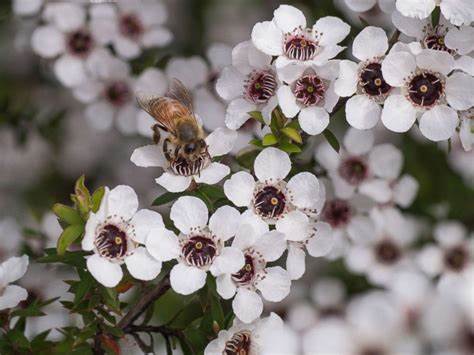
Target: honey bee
{"points": [[184, 147]]}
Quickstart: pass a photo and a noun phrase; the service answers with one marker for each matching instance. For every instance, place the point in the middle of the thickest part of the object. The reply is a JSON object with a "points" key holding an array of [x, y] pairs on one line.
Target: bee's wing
{"points": [[164, 110], [178, 92]]}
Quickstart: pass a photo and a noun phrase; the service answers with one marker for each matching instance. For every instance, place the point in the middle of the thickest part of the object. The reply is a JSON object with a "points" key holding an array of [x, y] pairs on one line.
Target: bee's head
{"points": [[194, 147]]}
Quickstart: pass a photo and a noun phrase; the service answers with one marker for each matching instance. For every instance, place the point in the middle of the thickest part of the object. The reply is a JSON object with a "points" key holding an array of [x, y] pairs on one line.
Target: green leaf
{"points": [[82, 197], [290, 147], [247, 158], [167, 197], [212, 191], [256, 142], [257, 115], [294, 124], [97, 198], [75, 258], [292, 133], [269, 139], [68, 236], [332, 140], [67, 214]]}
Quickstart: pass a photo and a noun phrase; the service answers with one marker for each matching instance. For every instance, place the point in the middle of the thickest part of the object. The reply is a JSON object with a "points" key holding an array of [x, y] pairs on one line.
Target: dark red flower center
{"points": [[387, 252], [425, 89], [260, 86], [80, 43], [337, 213], [372, 81], [270, 202], [300, 46], [309, 90], [199, 251], [111, 242], [354, 170], [436, 42], [131, 26], [456, 258], [245, 275], [118, 93]]}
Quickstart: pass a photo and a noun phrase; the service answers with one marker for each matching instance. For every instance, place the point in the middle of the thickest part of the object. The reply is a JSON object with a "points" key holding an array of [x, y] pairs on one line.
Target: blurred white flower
{"points": [[130, 26], [288, 37], [373, 171], [266, 336], [458, 12], [288, 205], [12, 270], [27, 7], [10, 237], [426, 92], [255, 280], [115, 234], [219, 142], [200, 246], [365, 5], [310, 94]]}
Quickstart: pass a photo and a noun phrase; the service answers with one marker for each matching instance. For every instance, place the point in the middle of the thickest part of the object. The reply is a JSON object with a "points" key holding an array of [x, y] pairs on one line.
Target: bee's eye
{"points": [[190, 147]]}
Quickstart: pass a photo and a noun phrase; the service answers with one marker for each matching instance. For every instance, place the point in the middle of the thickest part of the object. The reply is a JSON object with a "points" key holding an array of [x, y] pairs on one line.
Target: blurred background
{"points": [[46, 143]]}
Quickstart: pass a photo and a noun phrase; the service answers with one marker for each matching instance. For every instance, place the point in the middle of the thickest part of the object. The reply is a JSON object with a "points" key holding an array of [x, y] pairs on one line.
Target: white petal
{"points": [[437, 61], [14, 268], [11, 296], [142, 265], [220, 55], [126, 120], [89, 91], [460, 39], [157, 37], [276, 284], [237, 113], [189, 212], [371, 42], [295, 262], [398, 114], [267, 37], [439, 123], [409, 26], [214, 173], [148, 156], [342, 188], [224, 222], [321, 242], [174, 183], [430, 260], [187, 279], [192, 71], [360, 5], [221, 141], [230, 84], [460, 91], [127, 48], [385, 161], [270, 245], [416, 8], [247, 305], [230, 261], [377, 189], [458, 12], [70, 71], [225, 287], [330, 98], [304, 190], [359, 259], [239, 188], [272, 164], [122, 201], [288, 18], [332, 30], [66, 16], [251, 228], [327, 52], [295, 226], [397, 66], [405, 190], [152, 80], [346, 83], [162, 244], [466, 64], [93, 221], [362, 112], [107, 273], [143, 221], [358, 142], [361, 230], [100, 115], [47, 42], [287, 101], [449, 233], [313, 120], [327, 156], [26, 7]]}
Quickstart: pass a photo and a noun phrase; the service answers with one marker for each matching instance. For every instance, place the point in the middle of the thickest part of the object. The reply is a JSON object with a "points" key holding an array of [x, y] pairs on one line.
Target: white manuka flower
{"points": [[453, 254], [10, 271], [288, 37], [289, 205], [27, 7], [219, 142], [318, 243], [364, 79], [265, 336], [200, 245], [381, 256], [367, 169], [250, 84], [66, 36], [255, 280], [426, 92], [310, 95], [458, 12], [115, 234], [130, 26], [109, 94], [466, 129]]}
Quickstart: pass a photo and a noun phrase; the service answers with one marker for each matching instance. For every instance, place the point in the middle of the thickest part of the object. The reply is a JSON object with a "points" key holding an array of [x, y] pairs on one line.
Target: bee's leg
{"points": [[156, 133], [166, 150]]}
